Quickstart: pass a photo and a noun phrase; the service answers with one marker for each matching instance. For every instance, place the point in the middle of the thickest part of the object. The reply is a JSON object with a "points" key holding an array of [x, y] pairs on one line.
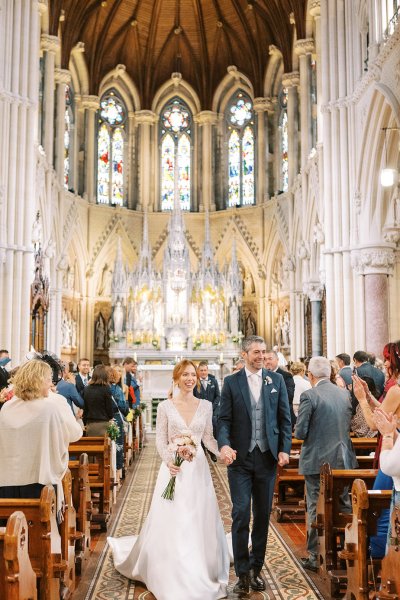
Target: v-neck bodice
{"points": [[170, 424], [188, 426]]}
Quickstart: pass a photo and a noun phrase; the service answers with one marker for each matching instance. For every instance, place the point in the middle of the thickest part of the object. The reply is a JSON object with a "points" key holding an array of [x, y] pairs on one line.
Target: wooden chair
{"points": [[17, 577]]}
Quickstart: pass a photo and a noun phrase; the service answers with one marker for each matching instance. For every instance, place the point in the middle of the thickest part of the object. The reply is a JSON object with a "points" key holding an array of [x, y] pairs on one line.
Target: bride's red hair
{"points": [[180, 368]]}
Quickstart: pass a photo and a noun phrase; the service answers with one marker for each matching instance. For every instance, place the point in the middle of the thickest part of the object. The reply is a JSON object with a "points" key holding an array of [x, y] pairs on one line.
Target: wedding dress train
{"points": [[181, 552]]}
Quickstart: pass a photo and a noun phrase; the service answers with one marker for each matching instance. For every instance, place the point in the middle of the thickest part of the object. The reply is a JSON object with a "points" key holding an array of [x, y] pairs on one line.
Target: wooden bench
{"points": [[99, 450], [17, 577], [331, 521], [44, 541], [390, 573], [68, 532], [82, 501], [367, 507]]}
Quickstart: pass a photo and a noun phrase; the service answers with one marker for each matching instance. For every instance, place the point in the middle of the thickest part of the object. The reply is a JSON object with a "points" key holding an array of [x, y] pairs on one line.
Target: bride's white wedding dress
{"points": [[181, 552]]}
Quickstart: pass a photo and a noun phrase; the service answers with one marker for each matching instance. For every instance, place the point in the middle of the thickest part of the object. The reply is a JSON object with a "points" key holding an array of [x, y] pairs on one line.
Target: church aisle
{"points": [[286, 579]]}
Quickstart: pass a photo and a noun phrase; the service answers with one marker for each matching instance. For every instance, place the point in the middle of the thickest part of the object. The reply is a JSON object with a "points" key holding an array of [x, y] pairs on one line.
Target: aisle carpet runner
{"points": [[285, 579]]}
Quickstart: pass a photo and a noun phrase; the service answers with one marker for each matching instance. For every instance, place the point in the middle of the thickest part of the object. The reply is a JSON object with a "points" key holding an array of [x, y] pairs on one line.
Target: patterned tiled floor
{"points": [[286, 580]]}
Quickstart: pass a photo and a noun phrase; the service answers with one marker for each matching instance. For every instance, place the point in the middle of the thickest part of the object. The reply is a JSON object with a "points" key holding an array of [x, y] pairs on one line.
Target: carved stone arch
{"points": [[79, 70], [231, 83], [176, 86], [121, 81], [274, 72]]}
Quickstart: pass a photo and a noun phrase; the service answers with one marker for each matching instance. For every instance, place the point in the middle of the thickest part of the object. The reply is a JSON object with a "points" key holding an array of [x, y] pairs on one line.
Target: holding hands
{"points": [[228, 455]]}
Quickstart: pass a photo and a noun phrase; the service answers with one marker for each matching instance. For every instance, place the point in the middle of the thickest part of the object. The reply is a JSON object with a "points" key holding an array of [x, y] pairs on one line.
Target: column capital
{"points": [[146, 116], [206, 117], [315, 8], [373, 260], [49, 43], [91, 102], [263, 105], [62, 76], [303, 47], [291, 79], [42, 6], [314, 290]]}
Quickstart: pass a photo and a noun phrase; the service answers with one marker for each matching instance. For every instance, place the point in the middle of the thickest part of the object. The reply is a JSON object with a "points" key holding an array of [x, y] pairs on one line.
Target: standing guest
{"points": [[98, 408], [35, 431], [82, 379], [345, 372], [335, 377], [132, 381], [254, 435], [323, 423], [207, 389], [271, 362], [69, 391], [391, 363], [121, 409], [239, 364], [364, 368], [298, 370]]}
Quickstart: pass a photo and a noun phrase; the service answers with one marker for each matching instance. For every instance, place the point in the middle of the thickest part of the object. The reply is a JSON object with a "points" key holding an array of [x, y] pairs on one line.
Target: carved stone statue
{"points": [[118, 318], [249, 322], [100, 335], [248, 284], [234, 318], [286, 329]]}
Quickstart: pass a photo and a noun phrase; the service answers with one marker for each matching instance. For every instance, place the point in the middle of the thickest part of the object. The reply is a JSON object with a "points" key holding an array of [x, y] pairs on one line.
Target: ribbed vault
{"points": [[198, 38]]}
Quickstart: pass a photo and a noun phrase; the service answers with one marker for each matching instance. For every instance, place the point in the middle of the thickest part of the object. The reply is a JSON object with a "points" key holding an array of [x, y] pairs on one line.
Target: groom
{"points": [[254, 435]]}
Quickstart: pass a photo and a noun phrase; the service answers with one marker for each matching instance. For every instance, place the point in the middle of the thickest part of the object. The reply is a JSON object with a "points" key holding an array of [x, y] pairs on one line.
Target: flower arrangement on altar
{"points": [[185, 448]]}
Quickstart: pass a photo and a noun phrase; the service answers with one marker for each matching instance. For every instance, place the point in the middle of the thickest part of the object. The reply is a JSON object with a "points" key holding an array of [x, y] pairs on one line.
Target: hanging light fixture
{"points": [[388, 177]]}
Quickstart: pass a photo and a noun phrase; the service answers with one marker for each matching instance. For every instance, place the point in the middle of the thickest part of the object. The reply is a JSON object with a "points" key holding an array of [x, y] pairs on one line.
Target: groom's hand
{"points": [[283, 459], [228, 455]]}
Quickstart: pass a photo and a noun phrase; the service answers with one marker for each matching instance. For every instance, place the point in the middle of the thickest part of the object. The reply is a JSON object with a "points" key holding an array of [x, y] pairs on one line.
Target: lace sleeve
{"points": [[208, 438], [162, 434]]}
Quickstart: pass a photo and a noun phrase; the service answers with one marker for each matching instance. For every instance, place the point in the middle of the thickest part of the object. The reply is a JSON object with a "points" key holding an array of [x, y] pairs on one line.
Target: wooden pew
{"points": [[98, 449], [82, 501], [44, 541], [367, 506], [68, 532], [390, 579], [17, 578], [331, 522]]}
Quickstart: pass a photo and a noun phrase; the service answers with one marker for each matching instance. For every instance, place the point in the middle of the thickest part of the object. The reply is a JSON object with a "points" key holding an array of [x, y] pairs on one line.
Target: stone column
{"points": [[131, 196], [315, 11], [206, 120], [314, 291], [145, 119], [63, 78], [261, 107], [91, 105], [304, 49], [50, 45], [291, 82], [375, 264]]}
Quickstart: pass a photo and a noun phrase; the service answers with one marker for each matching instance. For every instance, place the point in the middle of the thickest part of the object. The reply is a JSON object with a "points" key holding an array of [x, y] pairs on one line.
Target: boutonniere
{"points": [[267, 380]]}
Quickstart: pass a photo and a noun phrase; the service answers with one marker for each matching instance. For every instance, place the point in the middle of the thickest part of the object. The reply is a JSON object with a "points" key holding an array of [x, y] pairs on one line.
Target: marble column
{"points": [[304, 49], [314, 291], [62, 78], [50, 44], [261, 107], [315, 11], [91, 105], [374, 265], [145, 119], [131, 160], [291, 82], [206, 120]]}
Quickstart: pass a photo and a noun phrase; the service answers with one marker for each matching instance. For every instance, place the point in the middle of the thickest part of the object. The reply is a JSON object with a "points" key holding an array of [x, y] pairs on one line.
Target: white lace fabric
{"points": [[170, 424]]}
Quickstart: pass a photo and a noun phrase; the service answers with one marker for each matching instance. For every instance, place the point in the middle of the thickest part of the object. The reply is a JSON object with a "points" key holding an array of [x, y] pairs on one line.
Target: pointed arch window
{"points": [[176, 155], [110, 151], [241, 151], [283, 130]]}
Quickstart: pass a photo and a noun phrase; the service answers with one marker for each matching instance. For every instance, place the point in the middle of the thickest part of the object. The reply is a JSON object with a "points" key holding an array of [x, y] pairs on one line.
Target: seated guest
{"points": [[35, 431], [298, 370], [97, 398]]}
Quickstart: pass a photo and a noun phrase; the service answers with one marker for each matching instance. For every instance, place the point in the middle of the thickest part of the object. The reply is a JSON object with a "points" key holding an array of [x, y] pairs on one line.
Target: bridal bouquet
{"points": [[184, 447]]}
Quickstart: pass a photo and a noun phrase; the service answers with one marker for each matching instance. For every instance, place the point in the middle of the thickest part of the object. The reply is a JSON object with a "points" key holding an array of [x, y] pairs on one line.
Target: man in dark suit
{"points": [[345, 371], [365, 369], [254, 435], [271, 362], [83, 377], [208, 389], [323, 422], [132, 381]]}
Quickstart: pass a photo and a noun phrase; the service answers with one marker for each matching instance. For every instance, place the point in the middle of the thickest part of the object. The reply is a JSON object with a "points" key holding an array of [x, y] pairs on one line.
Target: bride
{"points": [[181, 551]]}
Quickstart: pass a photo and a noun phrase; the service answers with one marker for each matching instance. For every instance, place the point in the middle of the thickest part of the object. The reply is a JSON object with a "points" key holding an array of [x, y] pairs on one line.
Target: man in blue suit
{"points": [[254, 435]]}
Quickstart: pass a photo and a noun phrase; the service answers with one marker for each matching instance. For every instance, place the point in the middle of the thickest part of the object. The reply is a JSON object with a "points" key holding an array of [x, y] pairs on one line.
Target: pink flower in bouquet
{"points": [[186, 452], [185, 448]]}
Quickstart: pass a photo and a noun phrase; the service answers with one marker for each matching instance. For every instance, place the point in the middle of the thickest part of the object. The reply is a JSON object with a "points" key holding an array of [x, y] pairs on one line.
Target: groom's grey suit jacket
{"points": [[235, 414], [323, 422]]}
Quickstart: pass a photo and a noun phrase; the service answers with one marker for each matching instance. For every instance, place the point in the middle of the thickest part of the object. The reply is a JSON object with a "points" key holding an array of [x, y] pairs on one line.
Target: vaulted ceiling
{"points": [[198, 38]]}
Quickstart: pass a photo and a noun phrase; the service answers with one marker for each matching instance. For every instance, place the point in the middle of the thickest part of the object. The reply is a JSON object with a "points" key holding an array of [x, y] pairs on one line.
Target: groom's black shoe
{"points": [[242, 587], [257, 581]]}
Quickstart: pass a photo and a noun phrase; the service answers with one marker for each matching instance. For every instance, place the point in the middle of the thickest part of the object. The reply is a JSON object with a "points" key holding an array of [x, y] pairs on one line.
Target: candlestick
{"points": [[221, 357], [135, 356]]}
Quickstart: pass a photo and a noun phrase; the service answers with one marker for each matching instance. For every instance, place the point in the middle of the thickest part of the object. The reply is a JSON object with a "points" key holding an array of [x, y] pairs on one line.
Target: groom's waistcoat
{"points": [[258, 433]]}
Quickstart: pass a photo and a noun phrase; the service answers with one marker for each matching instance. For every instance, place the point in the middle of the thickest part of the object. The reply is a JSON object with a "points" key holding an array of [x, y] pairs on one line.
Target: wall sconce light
{"points": [[388, 177]]}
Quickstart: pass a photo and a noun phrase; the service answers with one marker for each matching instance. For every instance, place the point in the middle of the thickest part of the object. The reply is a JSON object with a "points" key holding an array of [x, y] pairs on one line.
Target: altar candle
{"points": [[221, 357], [135, 356]]}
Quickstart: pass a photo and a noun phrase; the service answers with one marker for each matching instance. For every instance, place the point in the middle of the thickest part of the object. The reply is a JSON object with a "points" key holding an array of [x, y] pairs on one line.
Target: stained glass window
{"points": [[175, 155], [110, 151], [241, 152], [67, 135]]}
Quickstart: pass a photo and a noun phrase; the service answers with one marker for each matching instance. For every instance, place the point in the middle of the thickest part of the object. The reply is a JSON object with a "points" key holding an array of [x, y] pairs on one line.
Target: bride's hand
{"points": [[173, 469]]}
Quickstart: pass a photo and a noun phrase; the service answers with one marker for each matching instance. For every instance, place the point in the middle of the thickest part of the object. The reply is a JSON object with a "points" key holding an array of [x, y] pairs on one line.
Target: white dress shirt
{"points": [[254, 381]]}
